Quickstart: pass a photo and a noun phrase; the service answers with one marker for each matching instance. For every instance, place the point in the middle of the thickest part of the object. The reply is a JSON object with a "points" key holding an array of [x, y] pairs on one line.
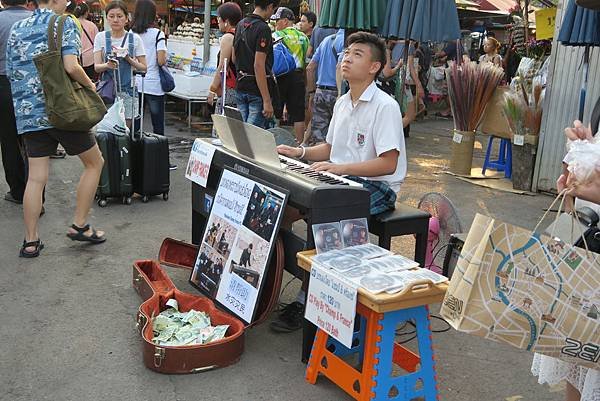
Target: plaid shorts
{"points": [[383, 198]]}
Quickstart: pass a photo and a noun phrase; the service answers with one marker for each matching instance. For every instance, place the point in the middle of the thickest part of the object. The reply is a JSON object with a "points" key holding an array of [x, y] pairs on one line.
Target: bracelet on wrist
{"points": [[303, 152]]}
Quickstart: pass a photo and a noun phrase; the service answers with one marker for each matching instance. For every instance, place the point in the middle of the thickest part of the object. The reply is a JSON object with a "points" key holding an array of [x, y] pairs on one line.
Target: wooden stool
{"points": [[403, 220], [375, 343]]}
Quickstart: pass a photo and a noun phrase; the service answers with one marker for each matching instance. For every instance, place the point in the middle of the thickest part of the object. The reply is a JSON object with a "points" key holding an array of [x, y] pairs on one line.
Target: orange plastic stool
{"points": [[379, 352]]}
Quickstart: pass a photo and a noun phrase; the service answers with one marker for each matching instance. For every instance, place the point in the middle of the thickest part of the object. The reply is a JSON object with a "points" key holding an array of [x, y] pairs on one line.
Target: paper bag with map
{"points": [[535, 293]]}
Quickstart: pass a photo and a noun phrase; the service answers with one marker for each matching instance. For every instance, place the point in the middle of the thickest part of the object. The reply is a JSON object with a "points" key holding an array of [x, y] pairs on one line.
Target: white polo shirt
{"points": [[365, 131]]}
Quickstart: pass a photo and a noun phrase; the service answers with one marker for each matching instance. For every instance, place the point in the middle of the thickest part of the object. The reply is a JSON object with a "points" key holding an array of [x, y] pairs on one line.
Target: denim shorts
{"points": [[251, 108]]}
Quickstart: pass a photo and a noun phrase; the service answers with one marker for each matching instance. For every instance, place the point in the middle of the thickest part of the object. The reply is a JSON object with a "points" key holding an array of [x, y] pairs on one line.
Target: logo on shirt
{"points": [[263, 42], [360, 138]]}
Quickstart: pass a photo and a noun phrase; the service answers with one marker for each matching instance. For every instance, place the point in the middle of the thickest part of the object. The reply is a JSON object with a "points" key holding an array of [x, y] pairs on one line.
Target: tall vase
{"points": [[462, 152], [524, 150]]}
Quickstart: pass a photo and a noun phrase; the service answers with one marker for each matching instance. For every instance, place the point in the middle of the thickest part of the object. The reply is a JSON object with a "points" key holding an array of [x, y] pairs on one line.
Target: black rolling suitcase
{"points": [[150, 154], [116, 178]]}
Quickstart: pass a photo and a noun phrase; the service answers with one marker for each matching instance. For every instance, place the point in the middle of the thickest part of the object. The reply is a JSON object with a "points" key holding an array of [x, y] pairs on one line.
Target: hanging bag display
{"points": [[69, 105]]}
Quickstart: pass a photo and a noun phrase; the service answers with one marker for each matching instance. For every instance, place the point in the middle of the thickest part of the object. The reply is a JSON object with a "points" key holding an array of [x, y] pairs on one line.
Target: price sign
{"points": [[457, 138], [519, 140], [331, 304], [545, 20]]}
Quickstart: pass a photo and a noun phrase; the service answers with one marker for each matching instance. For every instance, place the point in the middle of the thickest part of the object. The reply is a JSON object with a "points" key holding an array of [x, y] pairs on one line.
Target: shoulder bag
{"points": [[167, 82], [69, 105]]}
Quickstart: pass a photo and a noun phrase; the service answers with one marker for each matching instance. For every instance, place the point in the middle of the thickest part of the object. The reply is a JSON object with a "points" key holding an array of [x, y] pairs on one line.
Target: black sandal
{"points": [[24, 253], [80, 235]]}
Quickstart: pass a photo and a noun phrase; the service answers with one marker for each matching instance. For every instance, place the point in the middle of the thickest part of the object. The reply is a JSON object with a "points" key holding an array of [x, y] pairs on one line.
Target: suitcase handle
{"points": [[143, 75]]}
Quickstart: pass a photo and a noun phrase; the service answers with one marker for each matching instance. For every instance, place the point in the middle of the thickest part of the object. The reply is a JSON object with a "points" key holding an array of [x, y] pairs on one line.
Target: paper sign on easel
{"points": [[199, 163], [331, 304], [238, 241]]}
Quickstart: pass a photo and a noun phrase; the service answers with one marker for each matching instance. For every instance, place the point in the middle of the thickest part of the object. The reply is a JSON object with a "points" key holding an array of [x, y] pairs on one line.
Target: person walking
{"points": [[321, 85], [253, 58], [120, 52], [29, 37], [12, 157], [228, 16], [89, 30], [292, 86]]}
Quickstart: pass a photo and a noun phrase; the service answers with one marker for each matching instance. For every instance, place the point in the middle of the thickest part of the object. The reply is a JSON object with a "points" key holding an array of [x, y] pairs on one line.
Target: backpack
{"points": [[283, 61]]}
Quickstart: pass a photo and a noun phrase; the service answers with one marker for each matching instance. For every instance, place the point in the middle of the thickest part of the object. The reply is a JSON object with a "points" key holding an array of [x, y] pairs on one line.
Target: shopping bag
{"points": [[528, 290], [114, 119]]}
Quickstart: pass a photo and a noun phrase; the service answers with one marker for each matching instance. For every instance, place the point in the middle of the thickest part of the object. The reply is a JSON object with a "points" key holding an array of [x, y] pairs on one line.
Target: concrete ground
{"points": [[67, 318]]}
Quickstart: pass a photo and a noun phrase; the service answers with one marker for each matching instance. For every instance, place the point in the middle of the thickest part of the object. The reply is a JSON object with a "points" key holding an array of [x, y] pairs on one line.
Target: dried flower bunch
{"points": [[470, 88], [523, 110]]}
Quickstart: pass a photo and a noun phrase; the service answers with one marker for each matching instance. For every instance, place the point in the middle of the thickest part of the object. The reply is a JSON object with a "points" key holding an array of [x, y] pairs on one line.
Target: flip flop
{"points": [[24, 253], [80, 235]]}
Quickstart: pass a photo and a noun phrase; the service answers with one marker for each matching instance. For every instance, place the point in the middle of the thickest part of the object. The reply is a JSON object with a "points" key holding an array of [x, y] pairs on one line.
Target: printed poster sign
{"points": [[331, 304], [237, 242], [199, 163]]}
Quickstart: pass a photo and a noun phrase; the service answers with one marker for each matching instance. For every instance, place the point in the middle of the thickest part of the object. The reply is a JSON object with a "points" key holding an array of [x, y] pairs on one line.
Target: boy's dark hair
{"points": [[311, 17], [81, 9], [265, 3], [117, 4], [230, 12], [377, 46], [143, 16], [12, 3]]}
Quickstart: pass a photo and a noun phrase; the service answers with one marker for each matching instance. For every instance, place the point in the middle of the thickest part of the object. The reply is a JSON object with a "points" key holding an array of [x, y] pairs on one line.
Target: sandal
{"points": [[80, 235], [24, 253]]}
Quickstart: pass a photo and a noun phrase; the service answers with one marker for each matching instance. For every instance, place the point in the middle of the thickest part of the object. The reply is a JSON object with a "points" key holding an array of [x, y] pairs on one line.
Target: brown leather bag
{"points": [[591, 4]]}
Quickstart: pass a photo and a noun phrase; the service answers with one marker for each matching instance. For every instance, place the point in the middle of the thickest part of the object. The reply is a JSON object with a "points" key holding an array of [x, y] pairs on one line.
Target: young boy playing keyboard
{"points": [[365, 140]]}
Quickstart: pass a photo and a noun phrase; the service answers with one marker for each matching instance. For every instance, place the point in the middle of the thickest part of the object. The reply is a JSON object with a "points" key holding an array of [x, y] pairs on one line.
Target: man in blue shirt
{"points": [[29, 38], [324, 63], [12, 160]]}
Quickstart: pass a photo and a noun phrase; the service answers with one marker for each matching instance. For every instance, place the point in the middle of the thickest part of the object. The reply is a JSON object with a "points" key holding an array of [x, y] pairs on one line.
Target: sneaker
{"points": [[9, 197], [172, 167], [290, 318]]}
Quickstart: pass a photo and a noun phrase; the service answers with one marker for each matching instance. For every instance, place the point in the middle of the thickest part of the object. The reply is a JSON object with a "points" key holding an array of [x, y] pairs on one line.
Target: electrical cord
{"points": [[414, 332]]}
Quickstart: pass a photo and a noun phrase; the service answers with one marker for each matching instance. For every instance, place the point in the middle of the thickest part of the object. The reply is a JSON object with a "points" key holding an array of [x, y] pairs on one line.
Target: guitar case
{"points": [[155, 288]]}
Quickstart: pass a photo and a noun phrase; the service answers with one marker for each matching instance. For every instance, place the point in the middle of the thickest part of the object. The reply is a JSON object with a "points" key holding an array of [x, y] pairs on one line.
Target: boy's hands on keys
{"points": [[289, 151], [337, 169]]}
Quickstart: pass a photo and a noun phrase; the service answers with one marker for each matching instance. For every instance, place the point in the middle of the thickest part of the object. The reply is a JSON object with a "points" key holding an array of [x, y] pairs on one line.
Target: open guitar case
{"points": [[155, 288]]}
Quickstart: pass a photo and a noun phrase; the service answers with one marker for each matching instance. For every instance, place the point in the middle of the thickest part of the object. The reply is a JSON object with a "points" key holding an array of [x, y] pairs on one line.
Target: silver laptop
{"points": [[247, 140]]}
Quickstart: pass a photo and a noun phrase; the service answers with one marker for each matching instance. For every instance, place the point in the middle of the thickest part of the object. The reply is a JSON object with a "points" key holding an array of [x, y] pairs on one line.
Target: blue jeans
{"points": [[157, 112], [251, 108]]}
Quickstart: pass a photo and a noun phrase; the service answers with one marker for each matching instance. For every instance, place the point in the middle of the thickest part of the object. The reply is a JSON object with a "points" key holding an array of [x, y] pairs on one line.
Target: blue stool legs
{"points": [[420, 381], [504, 161]]}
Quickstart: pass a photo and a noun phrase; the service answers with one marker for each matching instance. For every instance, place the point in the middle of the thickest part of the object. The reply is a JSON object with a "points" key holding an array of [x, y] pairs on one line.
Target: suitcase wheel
{"points": [[127, 200], [102, 202], [145, 198], [166, 196]]}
